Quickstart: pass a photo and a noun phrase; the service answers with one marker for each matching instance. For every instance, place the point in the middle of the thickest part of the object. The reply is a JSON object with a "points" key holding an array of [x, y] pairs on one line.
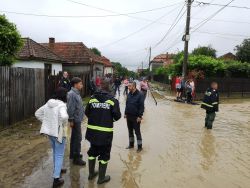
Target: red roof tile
{"points": [[73, 52], [166, 59], [228, 56], [33, 50], [106, 62]]}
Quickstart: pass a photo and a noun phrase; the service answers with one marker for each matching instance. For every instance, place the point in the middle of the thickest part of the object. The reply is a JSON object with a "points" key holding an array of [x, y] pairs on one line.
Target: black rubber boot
{"points": [[92, 172], [131, 145], [58, 182], [139, 149], [102, 174], [78, 161]]}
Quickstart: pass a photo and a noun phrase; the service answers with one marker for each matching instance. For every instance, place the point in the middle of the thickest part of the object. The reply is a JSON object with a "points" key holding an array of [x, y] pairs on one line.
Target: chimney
{"points": [[51, 42]]}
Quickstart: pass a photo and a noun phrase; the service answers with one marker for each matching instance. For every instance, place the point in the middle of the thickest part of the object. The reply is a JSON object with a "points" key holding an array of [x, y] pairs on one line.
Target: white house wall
{"points": [[98, 73], [108, 70], [56, 67], [29, 64]]}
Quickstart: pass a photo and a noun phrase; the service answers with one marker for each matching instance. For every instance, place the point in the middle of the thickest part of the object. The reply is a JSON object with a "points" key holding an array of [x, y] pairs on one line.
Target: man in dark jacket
{"points": [[211, 104], [76, 114], [134, 112], [117, 84], [64, 82], [102, 110], [92, 86]]}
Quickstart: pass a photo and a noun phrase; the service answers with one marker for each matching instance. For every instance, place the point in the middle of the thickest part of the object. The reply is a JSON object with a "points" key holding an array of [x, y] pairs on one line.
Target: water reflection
{"points": [[130, 174], [207, 149], [74, 176]]}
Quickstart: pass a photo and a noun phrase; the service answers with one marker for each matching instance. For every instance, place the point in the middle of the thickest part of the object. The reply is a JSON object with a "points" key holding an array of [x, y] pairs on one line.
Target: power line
{"points": [[215, 4], [137, 12], [221, 20], [89, 16], [175, 42], [223, 34], [175, 22], [202, 8], [199, 25], [107, 10], [139, 30]]}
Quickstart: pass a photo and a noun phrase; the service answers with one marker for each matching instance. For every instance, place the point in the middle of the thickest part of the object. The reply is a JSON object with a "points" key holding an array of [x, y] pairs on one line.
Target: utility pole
{"points": [[149, 59], [186, 38]]}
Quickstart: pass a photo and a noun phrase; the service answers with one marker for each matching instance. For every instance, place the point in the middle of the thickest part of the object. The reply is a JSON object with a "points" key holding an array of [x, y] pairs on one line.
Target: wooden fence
{"points": [[227, 86], [21, 92]]}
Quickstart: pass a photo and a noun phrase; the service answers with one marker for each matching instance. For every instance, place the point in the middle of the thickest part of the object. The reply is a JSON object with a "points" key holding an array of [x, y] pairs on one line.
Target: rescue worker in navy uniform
{"points": [[133, 113], [65, 82], [211, 104], [102, 110]]}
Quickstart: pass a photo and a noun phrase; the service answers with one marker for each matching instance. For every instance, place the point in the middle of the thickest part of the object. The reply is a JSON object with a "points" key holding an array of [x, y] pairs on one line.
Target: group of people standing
{"points": [[102, 110], [210, 101], [184, 89]]}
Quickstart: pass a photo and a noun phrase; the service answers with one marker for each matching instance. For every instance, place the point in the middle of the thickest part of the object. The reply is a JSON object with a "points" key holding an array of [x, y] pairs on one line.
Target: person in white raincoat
{"points": [[54, 118]]}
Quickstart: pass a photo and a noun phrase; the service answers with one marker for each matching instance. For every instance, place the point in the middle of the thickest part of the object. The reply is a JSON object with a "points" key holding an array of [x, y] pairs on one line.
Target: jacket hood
{"points": [[52, 103], [102, 96]]}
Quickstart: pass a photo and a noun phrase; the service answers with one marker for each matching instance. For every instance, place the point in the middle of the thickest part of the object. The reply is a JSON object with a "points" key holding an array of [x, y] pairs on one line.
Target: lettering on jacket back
{"points": [[101, 105]]}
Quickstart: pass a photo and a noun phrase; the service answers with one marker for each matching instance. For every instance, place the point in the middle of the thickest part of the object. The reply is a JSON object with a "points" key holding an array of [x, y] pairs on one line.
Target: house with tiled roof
{"points": [[161, 60], [108, 66], [35, 55], [98, 65], [79, 58], [228, 56]]}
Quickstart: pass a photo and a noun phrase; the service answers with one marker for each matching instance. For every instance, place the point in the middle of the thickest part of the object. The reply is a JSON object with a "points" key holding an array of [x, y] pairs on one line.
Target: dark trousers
{"points": [[134, 126], [144, 92], [75, 141], [102, 152], [125, 90], [209, 120], [117, 88], [189, 97]]}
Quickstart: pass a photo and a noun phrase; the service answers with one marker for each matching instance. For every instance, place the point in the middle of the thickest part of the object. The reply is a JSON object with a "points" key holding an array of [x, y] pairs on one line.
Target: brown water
{"points": [[178, 151]]}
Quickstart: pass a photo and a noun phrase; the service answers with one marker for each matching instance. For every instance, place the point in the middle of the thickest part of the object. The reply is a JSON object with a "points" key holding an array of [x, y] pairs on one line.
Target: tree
{"points": [[10, 41], [243, 51], [205, 50], [96, 51], [123, 71]]}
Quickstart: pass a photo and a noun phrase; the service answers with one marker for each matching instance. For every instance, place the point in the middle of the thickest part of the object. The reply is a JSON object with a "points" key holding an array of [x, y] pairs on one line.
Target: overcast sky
{"points": [[232, 25]]}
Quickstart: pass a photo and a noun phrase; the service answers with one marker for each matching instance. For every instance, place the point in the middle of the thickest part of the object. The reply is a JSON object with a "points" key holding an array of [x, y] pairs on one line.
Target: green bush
{"points": [[209, 66], [237, 69]]}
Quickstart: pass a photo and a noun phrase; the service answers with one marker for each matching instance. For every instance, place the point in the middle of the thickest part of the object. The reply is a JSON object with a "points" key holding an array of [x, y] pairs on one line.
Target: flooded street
{"points": [[178, 151]]}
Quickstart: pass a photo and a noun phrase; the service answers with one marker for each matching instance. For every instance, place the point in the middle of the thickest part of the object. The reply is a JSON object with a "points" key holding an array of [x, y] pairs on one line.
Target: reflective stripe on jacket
{"points": [[102, 110], [211, 101]]}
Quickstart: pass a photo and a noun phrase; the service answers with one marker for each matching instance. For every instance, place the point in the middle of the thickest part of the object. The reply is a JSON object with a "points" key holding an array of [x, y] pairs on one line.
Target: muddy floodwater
{"points": [[178, 152]]}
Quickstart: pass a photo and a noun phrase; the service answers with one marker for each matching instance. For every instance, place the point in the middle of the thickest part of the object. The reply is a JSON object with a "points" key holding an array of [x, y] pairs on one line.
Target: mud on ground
{"points": [[21, 148]]}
